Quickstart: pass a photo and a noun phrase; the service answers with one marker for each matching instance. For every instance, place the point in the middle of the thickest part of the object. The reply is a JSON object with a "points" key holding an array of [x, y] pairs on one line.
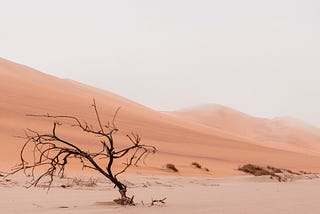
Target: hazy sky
{"points": [[260, 57]]}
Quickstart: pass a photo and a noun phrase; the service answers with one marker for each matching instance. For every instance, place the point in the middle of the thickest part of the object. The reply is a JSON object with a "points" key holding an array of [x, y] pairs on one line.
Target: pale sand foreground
{"points": [[244, 194]]}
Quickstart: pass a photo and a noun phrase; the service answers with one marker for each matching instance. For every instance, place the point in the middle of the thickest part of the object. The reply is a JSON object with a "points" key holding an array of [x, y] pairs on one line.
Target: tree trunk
{"points": [[124, 199]]}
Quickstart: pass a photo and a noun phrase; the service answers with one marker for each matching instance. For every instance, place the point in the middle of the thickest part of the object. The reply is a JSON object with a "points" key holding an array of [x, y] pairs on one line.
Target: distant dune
{"points": [[221, 141], [280, 132]]}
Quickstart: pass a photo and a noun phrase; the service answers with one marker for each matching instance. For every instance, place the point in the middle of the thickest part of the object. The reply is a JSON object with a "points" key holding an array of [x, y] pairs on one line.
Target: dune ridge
{"points": [[280, 132], [179, 140]]}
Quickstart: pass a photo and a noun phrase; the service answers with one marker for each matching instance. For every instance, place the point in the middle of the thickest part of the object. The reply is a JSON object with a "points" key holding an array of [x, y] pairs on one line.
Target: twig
{"points": [[161, 201]]}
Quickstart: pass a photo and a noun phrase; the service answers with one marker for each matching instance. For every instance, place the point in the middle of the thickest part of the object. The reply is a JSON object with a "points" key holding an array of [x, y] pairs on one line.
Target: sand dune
{"points": [[180, 141], [281, 132]]}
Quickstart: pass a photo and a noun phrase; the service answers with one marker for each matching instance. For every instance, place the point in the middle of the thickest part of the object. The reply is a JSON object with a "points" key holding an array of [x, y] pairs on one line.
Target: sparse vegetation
{"points": [[76, 182], [273, 172], [259, 171], [91, 182], [171, 167], [196, 165], [206, 169], [255, 170], [274, 169]]}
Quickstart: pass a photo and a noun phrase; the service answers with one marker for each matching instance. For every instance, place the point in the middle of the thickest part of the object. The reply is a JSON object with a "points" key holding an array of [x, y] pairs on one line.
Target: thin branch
{"points": [[97, 115]]}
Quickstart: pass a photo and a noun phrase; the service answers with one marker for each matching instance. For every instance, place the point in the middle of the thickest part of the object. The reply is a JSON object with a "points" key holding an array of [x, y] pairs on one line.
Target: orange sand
{"points": [[179, 140]]}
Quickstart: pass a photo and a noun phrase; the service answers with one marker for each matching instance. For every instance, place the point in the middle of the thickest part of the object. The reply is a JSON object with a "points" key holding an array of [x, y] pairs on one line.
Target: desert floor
{"points": [[242, 194], [219, 138]]}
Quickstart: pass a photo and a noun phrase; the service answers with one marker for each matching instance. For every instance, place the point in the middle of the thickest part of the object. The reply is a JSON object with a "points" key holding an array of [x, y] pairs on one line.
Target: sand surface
{"points": [[243, 194], [24, 90], [219, 139]]}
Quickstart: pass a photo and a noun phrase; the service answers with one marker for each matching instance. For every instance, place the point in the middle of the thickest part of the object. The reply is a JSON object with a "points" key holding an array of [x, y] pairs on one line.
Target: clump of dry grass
{"points": [[91, 182], [273, 172], [274, 169], [260, 171], [206, 169], [196, 165], [255, 170], [171, 167]]}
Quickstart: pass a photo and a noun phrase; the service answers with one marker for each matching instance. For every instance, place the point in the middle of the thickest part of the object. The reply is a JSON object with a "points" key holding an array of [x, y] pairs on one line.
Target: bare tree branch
{"points": [[51, 153]]}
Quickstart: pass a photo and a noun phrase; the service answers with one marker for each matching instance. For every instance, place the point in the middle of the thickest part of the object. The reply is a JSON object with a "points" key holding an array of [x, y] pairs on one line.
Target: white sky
{"points": [[260, 57]]}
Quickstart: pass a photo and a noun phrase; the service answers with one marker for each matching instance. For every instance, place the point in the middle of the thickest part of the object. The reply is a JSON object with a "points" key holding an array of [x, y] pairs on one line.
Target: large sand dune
{"points": [[180, 141]]}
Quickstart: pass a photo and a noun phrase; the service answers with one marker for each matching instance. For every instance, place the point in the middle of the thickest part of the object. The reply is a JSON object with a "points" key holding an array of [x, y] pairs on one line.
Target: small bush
{"points": [[280, 174], [263, 172], [92, 182], [80, 182], [172, 167], [255, 170], [76, 181], [195, 164]]}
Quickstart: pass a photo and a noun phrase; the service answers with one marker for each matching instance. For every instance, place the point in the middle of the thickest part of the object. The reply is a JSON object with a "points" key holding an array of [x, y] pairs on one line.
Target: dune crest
{"points": [[280, 132]]}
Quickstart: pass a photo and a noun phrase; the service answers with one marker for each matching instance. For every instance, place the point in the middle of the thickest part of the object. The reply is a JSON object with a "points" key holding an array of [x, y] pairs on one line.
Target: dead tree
{"points": [[51, 153]]}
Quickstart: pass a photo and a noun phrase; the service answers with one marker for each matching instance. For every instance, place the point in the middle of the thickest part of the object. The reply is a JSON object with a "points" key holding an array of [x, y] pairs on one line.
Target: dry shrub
{"points": [[76, 182], [282, 175], [256, 170], [195, 164], [262, 172], [92, 182], [172, 167], [274, 169], [251, 169]]}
